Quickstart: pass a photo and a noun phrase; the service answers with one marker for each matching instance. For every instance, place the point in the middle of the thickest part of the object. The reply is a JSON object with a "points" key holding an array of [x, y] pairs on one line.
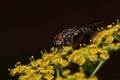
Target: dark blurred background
{"points": [[28, 26]]}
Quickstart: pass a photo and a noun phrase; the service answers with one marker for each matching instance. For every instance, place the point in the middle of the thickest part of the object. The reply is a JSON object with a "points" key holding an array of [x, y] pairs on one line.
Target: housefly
{"points": [[75, 36]]}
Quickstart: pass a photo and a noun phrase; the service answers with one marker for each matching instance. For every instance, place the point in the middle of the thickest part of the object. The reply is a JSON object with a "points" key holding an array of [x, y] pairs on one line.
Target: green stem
{"points": [[97, 68], [57, 70]]}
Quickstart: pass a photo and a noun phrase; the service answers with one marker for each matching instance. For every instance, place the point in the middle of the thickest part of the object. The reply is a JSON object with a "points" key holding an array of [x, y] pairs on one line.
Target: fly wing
{"points": [[93, 27], [83, 36], [97, 24]]}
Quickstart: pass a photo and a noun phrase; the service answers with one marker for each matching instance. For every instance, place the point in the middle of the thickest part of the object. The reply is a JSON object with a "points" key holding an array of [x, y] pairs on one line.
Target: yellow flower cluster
{"points": [[107, 35], [91, 52], [54, 58], [75, 76], [54, 65], [36, 70]]}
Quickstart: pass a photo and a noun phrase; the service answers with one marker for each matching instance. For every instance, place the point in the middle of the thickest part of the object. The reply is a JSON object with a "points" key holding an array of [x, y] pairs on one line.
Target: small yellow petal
{"points": [[93, 57], [49, 77], [66, 72]]}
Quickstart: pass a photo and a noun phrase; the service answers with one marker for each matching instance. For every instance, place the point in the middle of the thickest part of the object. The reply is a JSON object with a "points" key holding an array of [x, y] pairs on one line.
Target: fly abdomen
{"points": [[83, 36]]}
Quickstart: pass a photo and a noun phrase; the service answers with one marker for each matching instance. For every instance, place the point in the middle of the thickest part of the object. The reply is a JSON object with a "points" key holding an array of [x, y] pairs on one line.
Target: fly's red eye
{"points": [[60, 37]]}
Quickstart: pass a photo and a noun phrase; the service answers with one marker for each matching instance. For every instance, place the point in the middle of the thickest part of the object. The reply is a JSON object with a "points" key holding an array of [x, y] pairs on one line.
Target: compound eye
{"points": [[59, 37]]}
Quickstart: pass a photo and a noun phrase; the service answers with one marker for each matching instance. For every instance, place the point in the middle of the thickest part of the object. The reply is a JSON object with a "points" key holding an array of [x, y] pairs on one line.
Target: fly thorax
{"points": [[69, 39]]}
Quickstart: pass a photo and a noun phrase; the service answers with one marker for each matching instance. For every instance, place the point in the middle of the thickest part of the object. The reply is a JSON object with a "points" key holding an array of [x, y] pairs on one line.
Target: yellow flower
{"points": [[99, 36], [39, 61], [104, 54], [49, 77], [92, 46], [50, 67], [35, 77], [31, 71], [51, 71], [79, 59], [24, 77], [46, 69], [52, 49], [24, 68], [115, 28], [46, 56], [42, 70], [45, 62], [63, 62], [34, 63], [71, 56], [32, 78], [109, 39], [105, 47], [70, 77], [78, 74], [14, 71], [59, 78], [113, 46], [83, 51], [109, 26], [66, 72], [93, 57], [63, 53], [93, 51], [54, 59], [118, 45]]}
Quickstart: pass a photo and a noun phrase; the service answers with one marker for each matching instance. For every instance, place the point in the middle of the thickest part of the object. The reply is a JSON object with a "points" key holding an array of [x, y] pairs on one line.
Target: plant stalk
{"points": [[57, 70], [97, 68]]}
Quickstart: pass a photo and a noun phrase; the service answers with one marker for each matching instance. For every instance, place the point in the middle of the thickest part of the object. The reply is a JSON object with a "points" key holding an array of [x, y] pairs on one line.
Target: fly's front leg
{"points": [[59, 48]]}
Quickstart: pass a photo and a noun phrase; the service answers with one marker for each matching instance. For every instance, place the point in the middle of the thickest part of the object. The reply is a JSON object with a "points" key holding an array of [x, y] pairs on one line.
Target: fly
{"points": [[74, 36]]}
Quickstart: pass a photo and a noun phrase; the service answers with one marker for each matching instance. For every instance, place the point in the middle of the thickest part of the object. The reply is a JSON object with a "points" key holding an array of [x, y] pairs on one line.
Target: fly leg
{"points": [[59, 48]]}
